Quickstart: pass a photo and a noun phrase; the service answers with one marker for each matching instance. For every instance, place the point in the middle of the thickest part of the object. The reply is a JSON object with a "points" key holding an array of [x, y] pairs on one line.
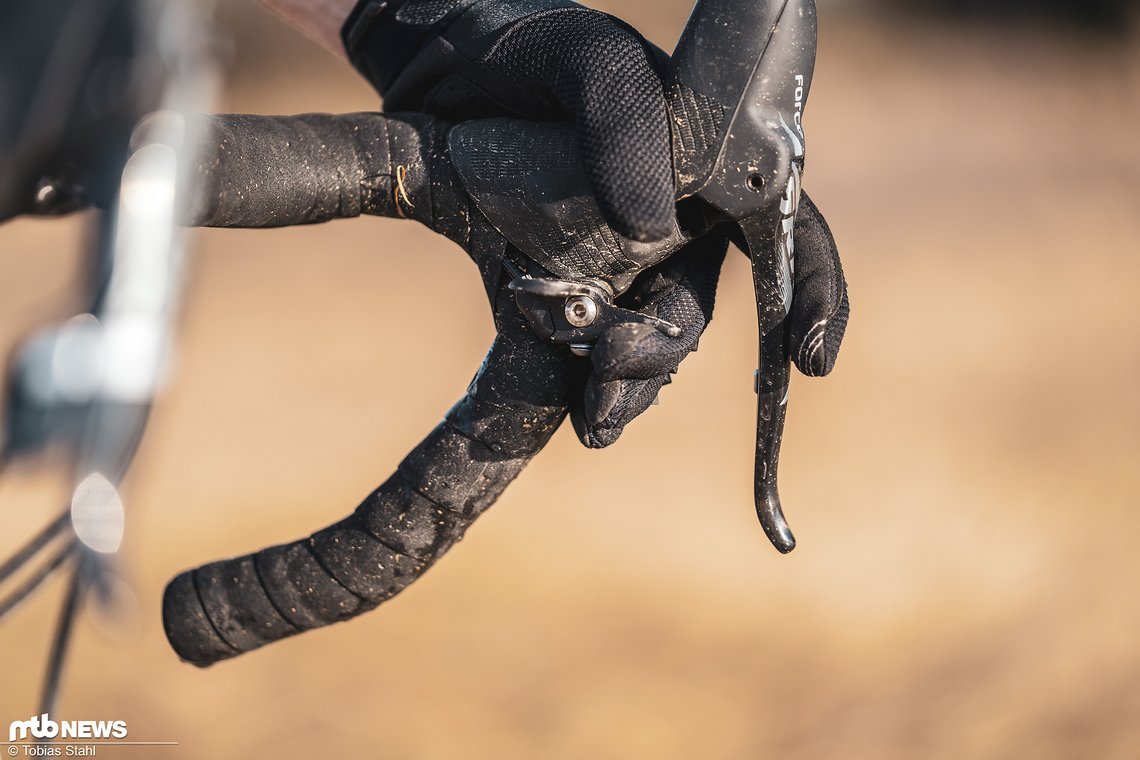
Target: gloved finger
{"points": [[605, 78], [820, 308], [681, 291], [631, 363], [607, 407], [639, 352]]}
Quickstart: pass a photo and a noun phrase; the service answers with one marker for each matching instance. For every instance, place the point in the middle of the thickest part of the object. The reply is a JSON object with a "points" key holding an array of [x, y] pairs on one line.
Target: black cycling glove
{"points": [[631, 363], [272, 171], [534, 59]]}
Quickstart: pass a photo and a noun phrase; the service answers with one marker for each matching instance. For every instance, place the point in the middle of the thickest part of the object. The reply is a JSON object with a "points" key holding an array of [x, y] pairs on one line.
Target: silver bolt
{"points": [[581, 311]]}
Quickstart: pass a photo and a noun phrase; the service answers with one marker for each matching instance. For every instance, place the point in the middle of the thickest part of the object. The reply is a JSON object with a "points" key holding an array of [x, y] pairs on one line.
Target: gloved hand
{"points": [[631, 363], [516, 197], [406, 165], [534, 59], [276, 171], [544, 59], [553, 59]]}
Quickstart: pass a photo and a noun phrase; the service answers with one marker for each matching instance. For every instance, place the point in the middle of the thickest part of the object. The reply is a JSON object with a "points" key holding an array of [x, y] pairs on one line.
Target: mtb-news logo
{"points": [[43, 727]]}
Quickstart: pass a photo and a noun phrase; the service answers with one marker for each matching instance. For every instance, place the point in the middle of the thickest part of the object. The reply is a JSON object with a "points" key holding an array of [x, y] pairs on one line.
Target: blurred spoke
{"points": [[80, 579], [29, 550], [41, 575]]}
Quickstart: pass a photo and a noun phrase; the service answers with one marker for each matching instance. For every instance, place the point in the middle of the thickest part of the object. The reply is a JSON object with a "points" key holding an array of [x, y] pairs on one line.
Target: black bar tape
{"points": [[276, 171], [511, 410]]}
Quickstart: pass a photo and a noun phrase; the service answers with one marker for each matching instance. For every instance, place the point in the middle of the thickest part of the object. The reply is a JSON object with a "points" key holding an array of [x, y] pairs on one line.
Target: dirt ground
{"points": [[964, 487]]}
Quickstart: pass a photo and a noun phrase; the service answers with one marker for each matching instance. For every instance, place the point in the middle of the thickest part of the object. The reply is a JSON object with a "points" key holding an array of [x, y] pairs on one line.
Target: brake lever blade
{"points": [[754, 60], [769, 244]]}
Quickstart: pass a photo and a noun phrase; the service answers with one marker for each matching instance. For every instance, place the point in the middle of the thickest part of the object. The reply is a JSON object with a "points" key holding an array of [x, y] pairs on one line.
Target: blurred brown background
{"points": [[964, 487]]}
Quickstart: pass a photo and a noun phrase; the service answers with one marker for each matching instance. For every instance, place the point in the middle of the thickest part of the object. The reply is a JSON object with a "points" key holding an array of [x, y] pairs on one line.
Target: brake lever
{"points": [[768, 241], [755, 60]]}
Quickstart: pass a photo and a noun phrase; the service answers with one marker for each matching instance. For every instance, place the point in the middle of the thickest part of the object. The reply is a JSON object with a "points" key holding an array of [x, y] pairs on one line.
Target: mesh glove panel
{"points": [[540, 60]]}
